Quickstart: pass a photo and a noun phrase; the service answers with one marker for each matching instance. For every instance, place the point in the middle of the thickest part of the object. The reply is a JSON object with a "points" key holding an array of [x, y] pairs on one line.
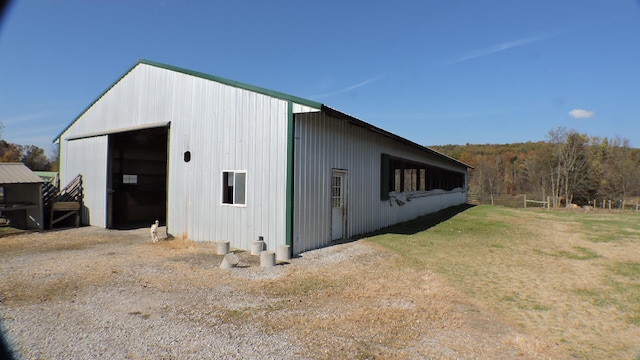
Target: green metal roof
{"points": [[237, 84], [272, 93]]}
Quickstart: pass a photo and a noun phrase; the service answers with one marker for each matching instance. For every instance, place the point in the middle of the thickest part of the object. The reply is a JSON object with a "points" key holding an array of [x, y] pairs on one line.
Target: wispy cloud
{"points": [[42, 138], [25, 117], [500, 47], [30, 128], [581, 114], [347, 89], [480, 113], [32, 131]]}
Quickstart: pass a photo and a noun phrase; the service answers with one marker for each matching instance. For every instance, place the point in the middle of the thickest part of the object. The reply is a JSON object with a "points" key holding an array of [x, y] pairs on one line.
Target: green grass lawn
{"points": [[572, 278]]}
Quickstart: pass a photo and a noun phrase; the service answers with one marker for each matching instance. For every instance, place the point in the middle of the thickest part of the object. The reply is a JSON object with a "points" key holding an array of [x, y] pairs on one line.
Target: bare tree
{"points": [[488, 176], [621, 173], [571, 175]]}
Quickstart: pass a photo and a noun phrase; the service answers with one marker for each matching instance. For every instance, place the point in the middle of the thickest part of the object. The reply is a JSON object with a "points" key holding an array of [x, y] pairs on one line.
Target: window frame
{"points": [[229, 193]]}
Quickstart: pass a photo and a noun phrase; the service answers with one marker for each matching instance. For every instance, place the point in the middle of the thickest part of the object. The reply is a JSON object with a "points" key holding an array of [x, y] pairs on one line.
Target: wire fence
{"points": [[540, 201], [513, 201]]}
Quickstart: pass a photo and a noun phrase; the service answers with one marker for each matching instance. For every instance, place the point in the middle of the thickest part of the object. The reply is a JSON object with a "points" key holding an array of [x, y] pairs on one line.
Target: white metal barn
{"points": [[218, 160]]}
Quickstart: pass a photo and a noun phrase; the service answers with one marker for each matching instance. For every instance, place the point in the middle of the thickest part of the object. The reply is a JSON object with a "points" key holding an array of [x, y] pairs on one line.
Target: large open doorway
{"points": [[137, 178]]}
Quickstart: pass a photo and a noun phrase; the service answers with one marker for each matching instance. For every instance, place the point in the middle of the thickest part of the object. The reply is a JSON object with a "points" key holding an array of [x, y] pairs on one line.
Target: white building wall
{"points": [[87, 157], [224, 127], [322, 144], [232, 129]]}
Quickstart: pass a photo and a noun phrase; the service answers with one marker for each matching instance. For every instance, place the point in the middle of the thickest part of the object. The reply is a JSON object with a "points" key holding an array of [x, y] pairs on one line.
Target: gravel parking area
{"points": [[94, 293]]}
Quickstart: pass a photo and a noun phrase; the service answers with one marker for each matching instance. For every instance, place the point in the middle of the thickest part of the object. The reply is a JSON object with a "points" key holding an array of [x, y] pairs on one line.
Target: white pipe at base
{"points": [[283, 253], [257, 247], [223, 247], [267, 259], [229, 261]]}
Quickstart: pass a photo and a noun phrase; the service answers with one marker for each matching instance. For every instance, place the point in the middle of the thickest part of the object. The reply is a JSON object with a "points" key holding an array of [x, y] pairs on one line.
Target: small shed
{"points": [[21, 196]]}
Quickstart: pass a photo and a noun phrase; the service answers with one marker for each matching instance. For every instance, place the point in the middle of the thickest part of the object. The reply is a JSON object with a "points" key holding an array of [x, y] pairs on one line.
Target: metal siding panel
{"points": [[88, 157], [298, 108], [225, 128], [238, 145], [324, 143]]}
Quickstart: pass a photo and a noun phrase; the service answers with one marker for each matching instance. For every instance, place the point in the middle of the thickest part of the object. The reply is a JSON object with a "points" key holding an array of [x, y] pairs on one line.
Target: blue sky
{"points": [[436, 72]]}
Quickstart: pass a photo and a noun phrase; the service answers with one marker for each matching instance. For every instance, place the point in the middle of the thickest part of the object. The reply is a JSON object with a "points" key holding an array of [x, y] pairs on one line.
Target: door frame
{"points": [[343, 173], [110, 202]]}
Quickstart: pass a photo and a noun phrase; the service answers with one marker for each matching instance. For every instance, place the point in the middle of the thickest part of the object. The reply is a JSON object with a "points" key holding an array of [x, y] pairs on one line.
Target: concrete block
{"points": [[229, 261], [223, 247], [257, 247], [267, 259], [283, 253]]}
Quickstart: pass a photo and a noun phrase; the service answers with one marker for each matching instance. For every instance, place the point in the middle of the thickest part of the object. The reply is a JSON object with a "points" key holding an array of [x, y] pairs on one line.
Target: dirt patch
{"points": [[91, 292]]}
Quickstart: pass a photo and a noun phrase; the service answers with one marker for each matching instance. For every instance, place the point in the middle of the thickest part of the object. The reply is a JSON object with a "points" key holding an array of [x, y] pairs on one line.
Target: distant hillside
{"points": [[469, 153], [575, 168]]}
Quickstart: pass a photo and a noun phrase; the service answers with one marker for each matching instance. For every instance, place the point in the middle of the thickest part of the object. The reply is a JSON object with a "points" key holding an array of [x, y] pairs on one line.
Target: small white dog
{"points": [[154, 231]]}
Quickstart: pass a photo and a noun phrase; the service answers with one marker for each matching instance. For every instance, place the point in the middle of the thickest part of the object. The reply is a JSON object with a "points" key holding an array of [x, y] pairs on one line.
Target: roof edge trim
{"points": [[57, 138], [237, 84], [120, 130], [391, 135]]}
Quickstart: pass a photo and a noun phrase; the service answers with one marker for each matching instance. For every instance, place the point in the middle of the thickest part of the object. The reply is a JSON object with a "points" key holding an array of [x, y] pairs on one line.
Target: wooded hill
{"points": [[570, 168], [32, 156]]}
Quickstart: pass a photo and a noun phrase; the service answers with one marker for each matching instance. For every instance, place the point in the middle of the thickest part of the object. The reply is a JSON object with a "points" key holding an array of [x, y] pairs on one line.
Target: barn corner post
{"points": [[289, 190]]}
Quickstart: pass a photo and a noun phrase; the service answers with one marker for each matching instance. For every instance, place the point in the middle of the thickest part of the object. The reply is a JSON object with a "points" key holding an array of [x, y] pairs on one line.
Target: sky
{"points": [[436, 72]]}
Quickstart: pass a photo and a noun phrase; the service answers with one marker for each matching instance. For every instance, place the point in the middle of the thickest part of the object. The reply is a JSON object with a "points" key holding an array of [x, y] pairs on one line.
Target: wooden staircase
{"points": [[63, 204]]}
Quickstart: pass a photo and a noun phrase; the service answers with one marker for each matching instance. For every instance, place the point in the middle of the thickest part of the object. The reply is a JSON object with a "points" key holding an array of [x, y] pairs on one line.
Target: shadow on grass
{"points": [[416, 225]]}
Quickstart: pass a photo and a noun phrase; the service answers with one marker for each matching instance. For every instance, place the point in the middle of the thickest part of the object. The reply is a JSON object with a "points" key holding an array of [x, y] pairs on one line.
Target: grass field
{"points": [[571, 278]]}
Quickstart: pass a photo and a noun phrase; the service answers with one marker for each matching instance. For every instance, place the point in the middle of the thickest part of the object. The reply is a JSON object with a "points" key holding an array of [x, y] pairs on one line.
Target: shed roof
{"points": [[17, 173], [275, 94]]}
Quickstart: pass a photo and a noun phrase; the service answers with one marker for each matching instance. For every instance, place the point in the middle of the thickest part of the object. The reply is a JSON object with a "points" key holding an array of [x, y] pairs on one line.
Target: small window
{"points": [[336, 191], [234, 189], [130, 179]]}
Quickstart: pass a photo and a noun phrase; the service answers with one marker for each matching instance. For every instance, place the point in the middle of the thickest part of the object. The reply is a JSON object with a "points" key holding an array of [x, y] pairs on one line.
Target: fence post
{"points": [[525, 200], [548, 202]]}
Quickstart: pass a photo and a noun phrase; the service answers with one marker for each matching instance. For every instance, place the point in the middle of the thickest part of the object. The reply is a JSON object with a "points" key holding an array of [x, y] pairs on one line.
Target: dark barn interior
{"points": [[138, 178]]}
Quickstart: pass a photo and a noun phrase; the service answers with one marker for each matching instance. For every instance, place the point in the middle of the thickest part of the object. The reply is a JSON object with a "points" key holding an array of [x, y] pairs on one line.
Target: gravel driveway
{"points": [[91, 293]]}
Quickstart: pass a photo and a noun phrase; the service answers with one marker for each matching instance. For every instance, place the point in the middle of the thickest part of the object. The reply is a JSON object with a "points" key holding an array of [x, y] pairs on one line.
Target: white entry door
{"points": [[338, 204]]}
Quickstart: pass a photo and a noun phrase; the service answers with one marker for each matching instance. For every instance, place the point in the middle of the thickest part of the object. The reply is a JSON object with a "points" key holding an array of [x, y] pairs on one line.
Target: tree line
{"points": [[32, 156], [569, 168]]}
